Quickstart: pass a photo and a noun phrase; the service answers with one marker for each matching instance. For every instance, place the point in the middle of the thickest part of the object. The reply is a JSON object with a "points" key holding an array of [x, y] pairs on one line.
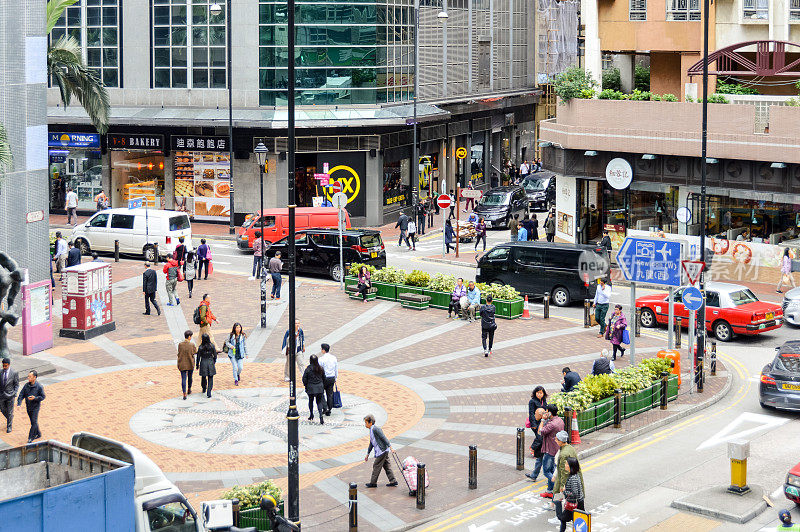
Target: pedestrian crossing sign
{"points": [[581, 521]]}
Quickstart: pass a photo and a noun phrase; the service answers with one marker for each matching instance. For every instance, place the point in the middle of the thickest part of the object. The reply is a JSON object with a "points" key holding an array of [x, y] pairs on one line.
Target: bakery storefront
{"points": [[74, 162], [202, 176], [137, 169]]}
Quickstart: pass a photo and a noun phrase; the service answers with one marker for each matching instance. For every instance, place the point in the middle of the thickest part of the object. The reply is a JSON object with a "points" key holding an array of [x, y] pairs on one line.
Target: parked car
{"points": [[791, 488], [780, 380], [318, 250], [730, 309], [499, 205], [541, 190], [534, 268], [791, 306], [136, 229], [276, 223]]}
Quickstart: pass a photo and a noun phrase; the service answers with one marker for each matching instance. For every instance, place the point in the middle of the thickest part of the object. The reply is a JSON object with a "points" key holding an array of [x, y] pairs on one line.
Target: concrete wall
{"points": [[618, 33], [732, 27]]}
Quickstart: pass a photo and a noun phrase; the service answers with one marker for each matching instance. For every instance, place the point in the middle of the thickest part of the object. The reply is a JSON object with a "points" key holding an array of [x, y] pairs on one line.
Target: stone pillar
{"points": [[594, 59], [626, 65]]}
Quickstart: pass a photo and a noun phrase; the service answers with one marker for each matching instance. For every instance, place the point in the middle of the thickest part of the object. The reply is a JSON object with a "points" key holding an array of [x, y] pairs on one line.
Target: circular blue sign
{"points": [[692, 298], [580, 525]]}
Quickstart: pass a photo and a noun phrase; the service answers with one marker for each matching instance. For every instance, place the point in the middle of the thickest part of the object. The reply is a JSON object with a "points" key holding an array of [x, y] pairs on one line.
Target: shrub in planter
{"points": [[442, 283], [574, 83], [669, 98], [599, 386], [356, 267], [654, 366], [250, 496], [610, 94], [576, 400], [418, 278], [391, 275]]}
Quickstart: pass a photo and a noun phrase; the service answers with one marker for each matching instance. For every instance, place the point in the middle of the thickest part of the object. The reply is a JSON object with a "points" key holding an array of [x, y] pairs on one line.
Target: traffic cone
{"points": [[576, 435], [526, 315]]}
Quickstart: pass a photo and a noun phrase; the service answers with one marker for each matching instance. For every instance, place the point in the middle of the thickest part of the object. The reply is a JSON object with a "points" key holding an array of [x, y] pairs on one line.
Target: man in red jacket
{"points": [[551, 425], [172, 269]]}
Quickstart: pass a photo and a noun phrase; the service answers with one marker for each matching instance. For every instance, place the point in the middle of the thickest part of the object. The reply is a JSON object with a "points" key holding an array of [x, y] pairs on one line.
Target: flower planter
{"points": [[438, 299], [387, 291], [508, 309], [640, 401], [258, 518]]}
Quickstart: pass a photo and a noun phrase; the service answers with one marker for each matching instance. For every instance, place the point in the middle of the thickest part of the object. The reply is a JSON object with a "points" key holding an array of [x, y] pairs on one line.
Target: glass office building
{"points": [[346, 52]]}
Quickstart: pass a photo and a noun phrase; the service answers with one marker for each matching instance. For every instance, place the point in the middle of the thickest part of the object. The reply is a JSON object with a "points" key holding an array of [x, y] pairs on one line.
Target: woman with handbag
{"points": [[314, 382], [616, 332], [206, 363], [236, 349], [573, 494], [786, 271], [191, 271], [364, 282]]}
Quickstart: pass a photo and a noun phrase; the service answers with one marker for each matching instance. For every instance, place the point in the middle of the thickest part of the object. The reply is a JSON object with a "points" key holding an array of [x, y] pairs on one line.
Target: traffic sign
{"points": [[683, 214], [471, 193], [693, 269], [443, 201], [692, 298], [461, 153], [339, 200], [581, 521], [336, 187], [135, 203], [650, 261]]}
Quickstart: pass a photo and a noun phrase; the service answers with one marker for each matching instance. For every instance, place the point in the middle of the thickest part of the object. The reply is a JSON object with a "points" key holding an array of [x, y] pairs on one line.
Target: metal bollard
{"points": [[587, 308], [473, 467], [700, 376], [637, 324], [713, 358], [678, 329], [155, 248], [568, 423], [420, 486], [520, 449], [546, 311], [235, 509], [664, 390], [116, 250], [617, 408], [353, 507]]}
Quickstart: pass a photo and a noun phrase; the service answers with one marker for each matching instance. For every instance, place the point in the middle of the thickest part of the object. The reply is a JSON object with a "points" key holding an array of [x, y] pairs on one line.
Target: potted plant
{"points": [[351, 279], [506, 300], [415, 282], [386, 281], [440, 289], [250, 513]]}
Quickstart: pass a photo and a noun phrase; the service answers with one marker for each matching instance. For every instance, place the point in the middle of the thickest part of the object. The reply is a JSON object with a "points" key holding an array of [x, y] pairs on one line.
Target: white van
{"points": [[136, 229]]}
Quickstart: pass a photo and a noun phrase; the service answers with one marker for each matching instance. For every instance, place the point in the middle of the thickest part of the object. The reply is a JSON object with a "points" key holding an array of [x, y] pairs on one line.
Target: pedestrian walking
{"points": [[180, 251], [206, 363], [9, 385], [605, 242], [473, 301], [412, 234], [572, 488], [430, 209], [533, 233], [480, 233], [172, 269], [458, 294], [449, 235], [203, 257], [452, 205], [190, 271], [421, 215], [513, 227], [550, 226], [616, 330], [186, 362], [73, 255], [786, 271], [402, 223], [102, 201], [258, 252], [364, 282], [236, 349], [570, 380], [331, 367], [536, 445], [204, 318], [149, 288], [550, 425], [71, 206], [314, 382], [602, 298], [603, 365], [470, 203], [275, 266], [300, 348], [380, 443], [61, 251], [488, 325], [33, 394]]}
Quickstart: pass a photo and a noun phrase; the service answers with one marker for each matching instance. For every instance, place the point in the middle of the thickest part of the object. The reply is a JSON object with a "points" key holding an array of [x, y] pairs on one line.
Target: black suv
{"points": [[318, 250], [498, 205], [541, 190], [534, 268]]}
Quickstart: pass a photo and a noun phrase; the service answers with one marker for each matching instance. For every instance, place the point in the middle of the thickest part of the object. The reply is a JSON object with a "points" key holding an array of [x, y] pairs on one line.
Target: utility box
{"points": [[86, 301]]}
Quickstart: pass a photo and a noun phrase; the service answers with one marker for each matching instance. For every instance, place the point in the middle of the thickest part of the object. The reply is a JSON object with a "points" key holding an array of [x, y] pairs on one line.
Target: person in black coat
{"points": [[571, 380], [538, 400], [488, 325], [149, 287], [314, 381], [73, 255], [33, 395], [206, 363]]}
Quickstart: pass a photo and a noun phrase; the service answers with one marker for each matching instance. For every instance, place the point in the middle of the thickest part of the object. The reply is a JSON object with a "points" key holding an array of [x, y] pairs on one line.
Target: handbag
{"points": [[570, 501], [527, 422], [180, 276], [626, 336], [337, 398]]}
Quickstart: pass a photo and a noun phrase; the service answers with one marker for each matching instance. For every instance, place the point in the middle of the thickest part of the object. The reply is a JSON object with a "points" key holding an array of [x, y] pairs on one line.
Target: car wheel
{"points": [[84, 247], [336, 272], [723, 331], [648, 318], [149, 253], [560, 296]]}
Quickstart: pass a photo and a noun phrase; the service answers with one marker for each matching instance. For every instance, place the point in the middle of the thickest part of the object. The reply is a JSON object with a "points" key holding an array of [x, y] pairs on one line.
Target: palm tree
{"points": [[66, 68], [5, 151]]}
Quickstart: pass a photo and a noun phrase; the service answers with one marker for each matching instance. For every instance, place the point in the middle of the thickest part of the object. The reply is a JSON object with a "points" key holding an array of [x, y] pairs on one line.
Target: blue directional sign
{"points": [[692, 298], [136, 203], [653, 261]]}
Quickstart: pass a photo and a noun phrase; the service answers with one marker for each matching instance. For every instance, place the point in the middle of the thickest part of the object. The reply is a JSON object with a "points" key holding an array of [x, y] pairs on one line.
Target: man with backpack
{"points": [[204, 318], [172, 269]]}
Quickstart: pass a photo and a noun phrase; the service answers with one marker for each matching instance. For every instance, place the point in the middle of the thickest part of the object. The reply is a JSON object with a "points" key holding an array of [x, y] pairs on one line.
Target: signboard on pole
{"points": [[443, 201], [461, 153], [473, 193], [339, 200], [581, 521], [135, 203], [693, 269], [692, 298], [650, 261], [336, 187]]}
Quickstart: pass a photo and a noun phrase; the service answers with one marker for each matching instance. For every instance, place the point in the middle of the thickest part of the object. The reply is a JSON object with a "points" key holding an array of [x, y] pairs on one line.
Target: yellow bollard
{"points": [[738, 451]]}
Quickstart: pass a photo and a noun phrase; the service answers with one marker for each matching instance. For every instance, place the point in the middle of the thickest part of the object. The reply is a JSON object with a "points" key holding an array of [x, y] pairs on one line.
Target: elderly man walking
{"points": [[300, 348], [380, 443]]}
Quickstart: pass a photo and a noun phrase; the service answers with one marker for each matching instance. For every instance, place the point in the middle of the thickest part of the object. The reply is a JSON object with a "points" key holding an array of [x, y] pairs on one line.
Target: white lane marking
{"points": [[729, 432]]}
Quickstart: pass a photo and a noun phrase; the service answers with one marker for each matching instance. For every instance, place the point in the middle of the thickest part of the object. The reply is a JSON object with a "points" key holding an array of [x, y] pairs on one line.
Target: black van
{"points": [[540, 188], [498, 205], [534, 268]]}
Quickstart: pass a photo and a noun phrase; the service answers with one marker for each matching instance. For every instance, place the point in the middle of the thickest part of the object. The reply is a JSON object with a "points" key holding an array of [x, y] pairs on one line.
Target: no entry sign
{"points": [[443, 201], [336, 187]]}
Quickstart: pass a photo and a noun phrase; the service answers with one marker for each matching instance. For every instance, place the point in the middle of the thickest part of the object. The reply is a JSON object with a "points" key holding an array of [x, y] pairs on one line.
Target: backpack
{"points": [[196, 316]]}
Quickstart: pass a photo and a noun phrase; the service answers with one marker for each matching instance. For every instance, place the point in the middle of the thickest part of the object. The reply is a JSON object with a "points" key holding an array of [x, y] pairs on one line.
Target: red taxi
{"points": [[730, 309], [791, 488]]}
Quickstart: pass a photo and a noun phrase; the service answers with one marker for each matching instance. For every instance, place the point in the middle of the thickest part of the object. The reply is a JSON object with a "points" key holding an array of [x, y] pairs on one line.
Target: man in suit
{"points": [[9, 384], [331, 367], [379, 442], [33, 394], [149, 287], [73, 255]]}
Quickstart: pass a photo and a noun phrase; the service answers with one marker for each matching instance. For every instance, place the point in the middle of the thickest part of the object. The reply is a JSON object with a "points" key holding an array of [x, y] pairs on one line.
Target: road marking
{"points": [[732, 430]]}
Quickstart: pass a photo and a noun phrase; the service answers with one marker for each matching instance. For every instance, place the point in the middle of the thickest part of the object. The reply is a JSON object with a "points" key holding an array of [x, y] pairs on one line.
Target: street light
{"points": [[261, 157], [216, 9]]}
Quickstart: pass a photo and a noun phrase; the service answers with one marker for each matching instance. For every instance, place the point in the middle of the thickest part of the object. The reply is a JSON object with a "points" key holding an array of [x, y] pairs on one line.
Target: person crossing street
{"points": [[331, 367], [300, 347], [33, 395]]}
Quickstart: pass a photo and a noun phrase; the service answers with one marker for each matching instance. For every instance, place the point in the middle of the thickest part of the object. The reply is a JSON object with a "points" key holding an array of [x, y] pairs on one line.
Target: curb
{"points": [[447, 261], [215, 237], [586, 454], [731, 517]]}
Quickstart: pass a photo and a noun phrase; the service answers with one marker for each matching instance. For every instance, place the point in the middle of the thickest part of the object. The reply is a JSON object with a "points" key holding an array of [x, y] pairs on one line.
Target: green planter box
{"points": [[387, 291], [597, 416], [438, 299], [639, 402], [672, 388], [257, 518], [401, 289], [508, 309], [350, 281]]}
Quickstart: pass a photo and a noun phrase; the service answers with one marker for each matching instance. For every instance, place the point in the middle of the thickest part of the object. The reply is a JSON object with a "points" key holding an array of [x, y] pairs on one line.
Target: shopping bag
{"points": [[337, 398], [527, 422], [592, 319], [626, 336]]}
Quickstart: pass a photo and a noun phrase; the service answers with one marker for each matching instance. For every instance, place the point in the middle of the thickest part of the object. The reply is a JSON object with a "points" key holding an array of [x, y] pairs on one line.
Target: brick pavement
{"points": [[438, 392]]}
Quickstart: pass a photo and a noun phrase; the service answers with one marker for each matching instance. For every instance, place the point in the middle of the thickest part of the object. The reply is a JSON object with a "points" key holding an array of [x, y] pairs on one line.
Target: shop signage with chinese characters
{"points": [[619, 173], [135, 142], [73, 140], [199, 142]]}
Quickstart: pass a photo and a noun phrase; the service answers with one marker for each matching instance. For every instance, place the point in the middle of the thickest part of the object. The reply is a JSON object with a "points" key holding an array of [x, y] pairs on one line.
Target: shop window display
{"points": [[202, 176], [396, 190], [75, 162], [138, 174]]}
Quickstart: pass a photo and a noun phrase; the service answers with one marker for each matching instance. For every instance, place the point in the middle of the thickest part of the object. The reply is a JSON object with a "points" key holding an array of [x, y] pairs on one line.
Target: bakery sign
{"points": [[135, 142], [199, 142]]}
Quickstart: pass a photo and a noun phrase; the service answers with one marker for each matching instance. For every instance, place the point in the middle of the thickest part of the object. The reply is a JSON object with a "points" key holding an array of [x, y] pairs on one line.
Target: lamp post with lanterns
{"points": [[261, 157]]}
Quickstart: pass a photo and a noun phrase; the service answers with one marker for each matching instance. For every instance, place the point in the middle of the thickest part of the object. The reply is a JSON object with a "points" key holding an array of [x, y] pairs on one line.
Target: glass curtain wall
{"points": [[354, 52]]}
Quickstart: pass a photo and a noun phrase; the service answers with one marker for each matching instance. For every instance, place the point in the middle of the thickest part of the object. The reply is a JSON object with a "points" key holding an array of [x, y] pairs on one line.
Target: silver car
{"points": [[791, 306], [780, 379]]}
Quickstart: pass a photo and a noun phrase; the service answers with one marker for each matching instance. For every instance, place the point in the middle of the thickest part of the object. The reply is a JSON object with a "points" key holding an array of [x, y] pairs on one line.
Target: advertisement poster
{"points": [[202, 177], [349, 170], [40, 305]]}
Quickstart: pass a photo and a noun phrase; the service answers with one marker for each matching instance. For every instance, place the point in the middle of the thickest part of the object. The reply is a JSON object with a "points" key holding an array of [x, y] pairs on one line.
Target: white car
{"points": [[138, 230], [791, 306]]}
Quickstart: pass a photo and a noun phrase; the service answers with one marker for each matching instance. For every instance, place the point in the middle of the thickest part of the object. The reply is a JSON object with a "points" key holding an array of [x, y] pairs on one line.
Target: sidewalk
{"points": [[199, 229]]}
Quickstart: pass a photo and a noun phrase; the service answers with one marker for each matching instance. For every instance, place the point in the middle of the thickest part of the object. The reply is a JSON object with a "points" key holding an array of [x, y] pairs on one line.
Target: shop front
{"points": [[137, 169], [74, 163], [477, 157], [313, 170], [202, 171]]}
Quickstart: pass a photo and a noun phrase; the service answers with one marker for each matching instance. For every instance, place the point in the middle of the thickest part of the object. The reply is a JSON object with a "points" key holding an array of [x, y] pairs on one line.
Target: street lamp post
{"points": [[261, 157], [215, 10], [701, 335]]}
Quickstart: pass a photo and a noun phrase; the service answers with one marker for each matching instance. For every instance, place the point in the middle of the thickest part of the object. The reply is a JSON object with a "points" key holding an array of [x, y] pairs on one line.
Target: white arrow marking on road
{"points": [[621, 256], [764, 422], [486, 527]]}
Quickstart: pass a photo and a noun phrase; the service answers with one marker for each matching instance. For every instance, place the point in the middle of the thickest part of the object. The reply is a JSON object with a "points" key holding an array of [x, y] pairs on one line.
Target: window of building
{"points": [[753, 220], [95, 25], [683, 9], [189, 45], [638, 9], [794, 9], [755, 9]]}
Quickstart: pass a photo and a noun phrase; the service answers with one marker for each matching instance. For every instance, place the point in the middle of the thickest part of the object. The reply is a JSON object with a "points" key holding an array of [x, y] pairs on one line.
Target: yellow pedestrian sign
{"points": [[461, 153]]}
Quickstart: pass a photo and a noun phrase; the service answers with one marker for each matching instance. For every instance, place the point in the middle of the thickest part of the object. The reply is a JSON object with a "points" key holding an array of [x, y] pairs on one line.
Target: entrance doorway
{"points": [[307, 186], [590, 207]]}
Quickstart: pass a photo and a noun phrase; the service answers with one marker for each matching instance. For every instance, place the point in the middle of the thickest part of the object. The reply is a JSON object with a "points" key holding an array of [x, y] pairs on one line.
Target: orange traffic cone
{"points": [[576, 435], [526, 315]]}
